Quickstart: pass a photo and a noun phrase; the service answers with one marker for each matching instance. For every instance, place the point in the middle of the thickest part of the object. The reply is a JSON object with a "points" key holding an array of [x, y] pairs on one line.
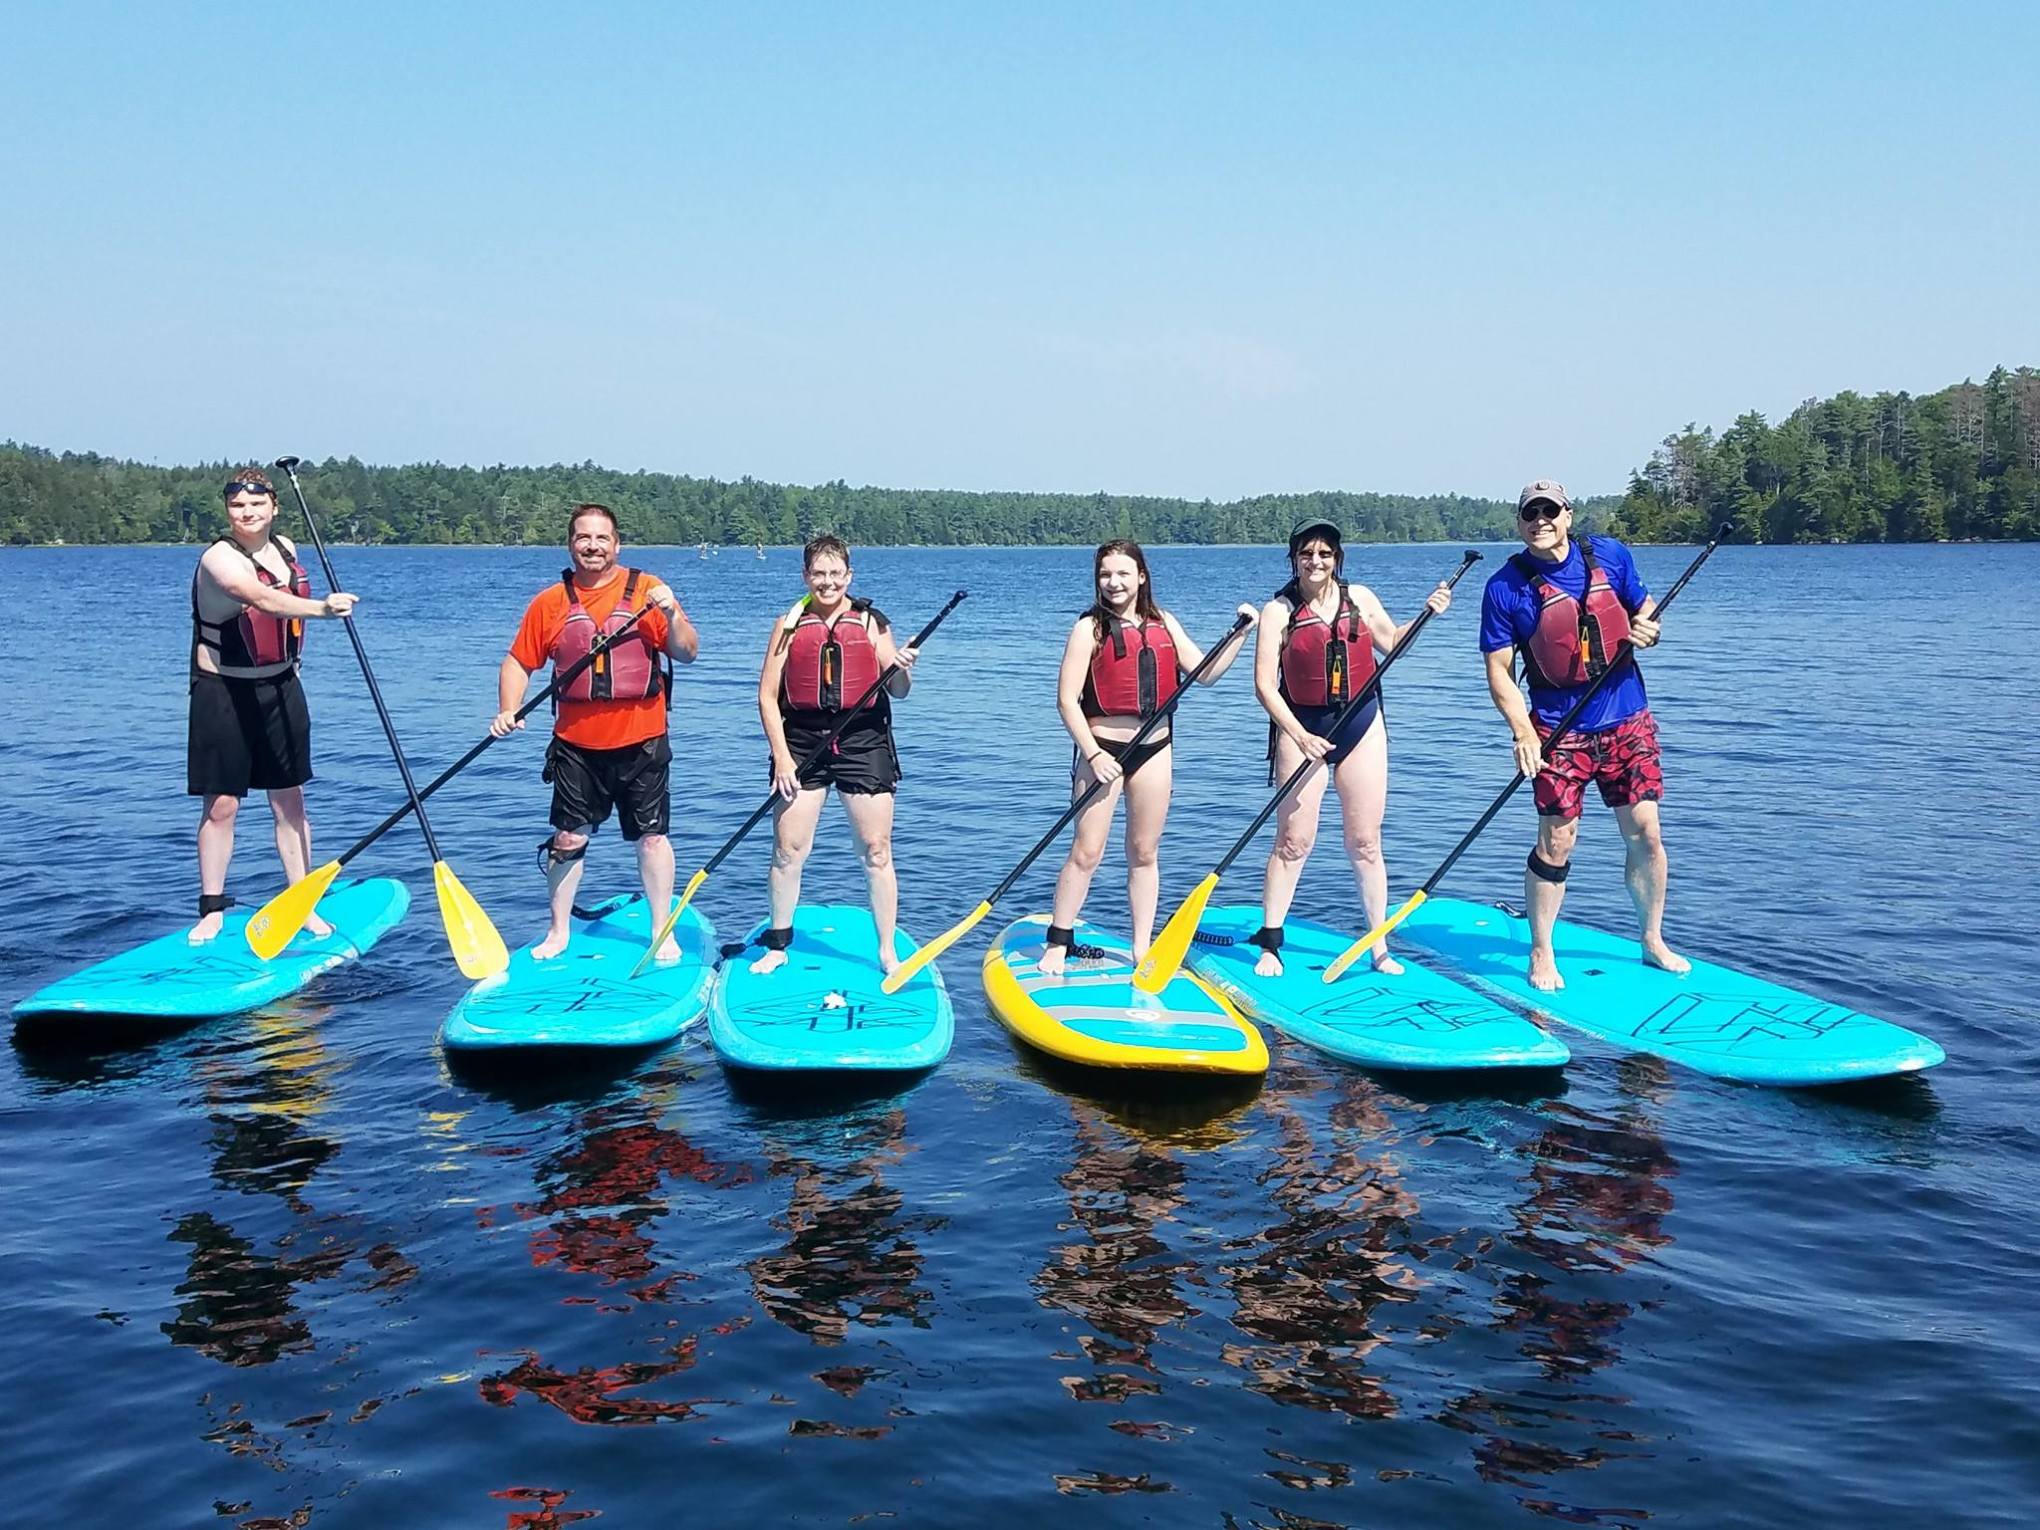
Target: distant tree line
{"points": [[1964, 462], [1961, 463], [81, 497]]}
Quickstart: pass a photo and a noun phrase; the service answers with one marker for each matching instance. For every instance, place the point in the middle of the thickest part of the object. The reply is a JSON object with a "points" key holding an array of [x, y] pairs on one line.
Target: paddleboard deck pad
{"points": [[170, 979], [1093, 1014], [1725, 1023], [1416, 1019], [586, 996], [824, 1010]]}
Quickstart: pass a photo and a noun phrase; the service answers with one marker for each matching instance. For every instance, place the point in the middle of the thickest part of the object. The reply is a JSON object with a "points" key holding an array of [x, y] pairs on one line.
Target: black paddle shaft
{"points": [[600, 647], [290, 466], [1122, 752], [758, 814], [1623, 655], [1371, 688]]}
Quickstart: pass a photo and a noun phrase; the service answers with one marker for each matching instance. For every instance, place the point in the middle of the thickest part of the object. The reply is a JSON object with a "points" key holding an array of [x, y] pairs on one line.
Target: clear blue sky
{"points": [[1172, 248]]}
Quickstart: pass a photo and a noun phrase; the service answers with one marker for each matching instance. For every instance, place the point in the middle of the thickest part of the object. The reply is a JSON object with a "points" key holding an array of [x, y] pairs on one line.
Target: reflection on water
{"points": [[1119, 1275], [292, 1269], [261, 1275], [1307, 1286], [1598, 1198], [266, 1098], [603, 1200], [851, 1253], [602, 1195]]}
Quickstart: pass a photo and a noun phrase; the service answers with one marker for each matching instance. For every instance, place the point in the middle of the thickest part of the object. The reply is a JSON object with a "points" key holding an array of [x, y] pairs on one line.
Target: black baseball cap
{"points": [[1310, 523]]}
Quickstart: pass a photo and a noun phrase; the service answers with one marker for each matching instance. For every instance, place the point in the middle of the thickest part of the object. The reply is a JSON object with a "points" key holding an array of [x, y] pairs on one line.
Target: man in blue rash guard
{"points": [[1566, 604]]}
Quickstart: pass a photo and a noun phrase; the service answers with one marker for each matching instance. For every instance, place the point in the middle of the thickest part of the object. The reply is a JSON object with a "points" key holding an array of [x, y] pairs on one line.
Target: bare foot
{"points": [[1052, 959], [771, 961], [669, 953], [316, 927], [203, 932], [1385, 964], [554, 943], [888, 962], [1544, 970], [1268, 964], [1658, 954]]}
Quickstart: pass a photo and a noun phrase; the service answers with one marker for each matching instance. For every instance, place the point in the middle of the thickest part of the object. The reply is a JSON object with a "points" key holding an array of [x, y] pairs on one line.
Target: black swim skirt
{"points": [[860, 759]]}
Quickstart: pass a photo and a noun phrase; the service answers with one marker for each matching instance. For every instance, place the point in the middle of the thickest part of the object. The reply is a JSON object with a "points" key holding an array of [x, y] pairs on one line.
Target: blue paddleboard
{"points": [[586, 997], [1721, 1022], [1416, 1019], [1093, 1014], [824, 1009], [170, 979]]}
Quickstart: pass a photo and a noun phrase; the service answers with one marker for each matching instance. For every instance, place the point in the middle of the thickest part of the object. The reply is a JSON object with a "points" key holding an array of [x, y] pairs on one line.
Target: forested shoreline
{"points": [[1960, 463]]}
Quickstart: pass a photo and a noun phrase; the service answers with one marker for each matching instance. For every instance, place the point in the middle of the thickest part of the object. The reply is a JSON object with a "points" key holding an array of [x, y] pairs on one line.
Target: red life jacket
{"points": [[1324, 664], [830, 665], [1134, 670], [255, 640], [626, 671], [1573, 640]]}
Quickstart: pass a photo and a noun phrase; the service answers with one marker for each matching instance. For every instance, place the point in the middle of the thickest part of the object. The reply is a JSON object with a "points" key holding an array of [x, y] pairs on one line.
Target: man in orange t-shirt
{"points": [[609, 747]]}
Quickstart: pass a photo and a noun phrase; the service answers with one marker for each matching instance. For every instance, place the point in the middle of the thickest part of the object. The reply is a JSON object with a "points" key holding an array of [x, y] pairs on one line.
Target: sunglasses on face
{"points": [[1541, 510]]}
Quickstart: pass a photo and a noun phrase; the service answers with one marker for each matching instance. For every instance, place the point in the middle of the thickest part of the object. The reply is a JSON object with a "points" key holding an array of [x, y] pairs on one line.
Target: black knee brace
{"points": [[1268, 937], [1544, 871], [777, 938], [1061, 935], [213, 903], [551, 857]]}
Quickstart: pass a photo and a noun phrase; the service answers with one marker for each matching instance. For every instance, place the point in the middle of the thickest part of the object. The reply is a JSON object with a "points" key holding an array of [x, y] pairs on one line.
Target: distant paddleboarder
{"points": [[249, 729], [1315, 653], [1124, 661], [1566, 604], [609, 748], [820, 659]]}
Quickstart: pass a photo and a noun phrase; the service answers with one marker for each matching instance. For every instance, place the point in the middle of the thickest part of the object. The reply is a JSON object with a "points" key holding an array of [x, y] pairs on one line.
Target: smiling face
{"points": [[1544, 527], [249, 512], [1119, 582], [592, 543], [1315, 562], [828, 579]]}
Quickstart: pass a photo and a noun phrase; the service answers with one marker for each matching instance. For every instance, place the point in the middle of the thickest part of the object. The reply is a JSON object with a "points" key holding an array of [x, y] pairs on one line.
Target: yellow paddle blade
{"points": [[278, 920], [478, 950], [1165, 957], [896, 979], [665, 931], [1355, 951]]}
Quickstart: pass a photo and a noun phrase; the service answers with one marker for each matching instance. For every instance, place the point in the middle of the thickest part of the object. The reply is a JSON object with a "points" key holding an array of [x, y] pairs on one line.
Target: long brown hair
{"points": [[1144, 606]]}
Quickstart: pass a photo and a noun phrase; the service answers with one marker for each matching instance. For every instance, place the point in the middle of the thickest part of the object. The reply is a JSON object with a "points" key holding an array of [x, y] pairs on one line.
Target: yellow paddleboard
{"points": [[1093, 1013]]}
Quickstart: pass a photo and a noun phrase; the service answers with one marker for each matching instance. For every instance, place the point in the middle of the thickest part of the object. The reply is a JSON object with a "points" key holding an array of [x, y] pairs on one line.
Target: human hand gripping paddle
{"points": [[1623, 655], [926, 954], [284, 915], [477, 948], [757, 817], [1165, 956]]}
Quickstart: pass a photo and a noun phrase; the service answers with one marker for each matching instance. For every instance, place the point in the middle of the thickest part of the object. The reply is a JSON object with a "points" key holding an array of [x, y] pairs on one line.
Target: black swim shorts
{"points": [[587, 783], [247, 735]]}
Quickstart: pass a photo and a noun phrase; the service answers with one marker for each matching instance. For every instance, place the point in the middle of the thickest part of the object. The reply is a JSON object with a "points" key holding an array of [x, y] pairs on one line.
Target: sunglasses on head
{"points": [[238, 487], [1540, 510]]}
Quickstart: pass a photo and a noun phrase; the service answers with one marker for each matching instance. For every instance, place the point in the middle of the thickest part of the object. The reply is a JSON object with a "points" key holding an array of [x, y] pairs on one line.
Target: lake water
{"points": [[287, 1269]]}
